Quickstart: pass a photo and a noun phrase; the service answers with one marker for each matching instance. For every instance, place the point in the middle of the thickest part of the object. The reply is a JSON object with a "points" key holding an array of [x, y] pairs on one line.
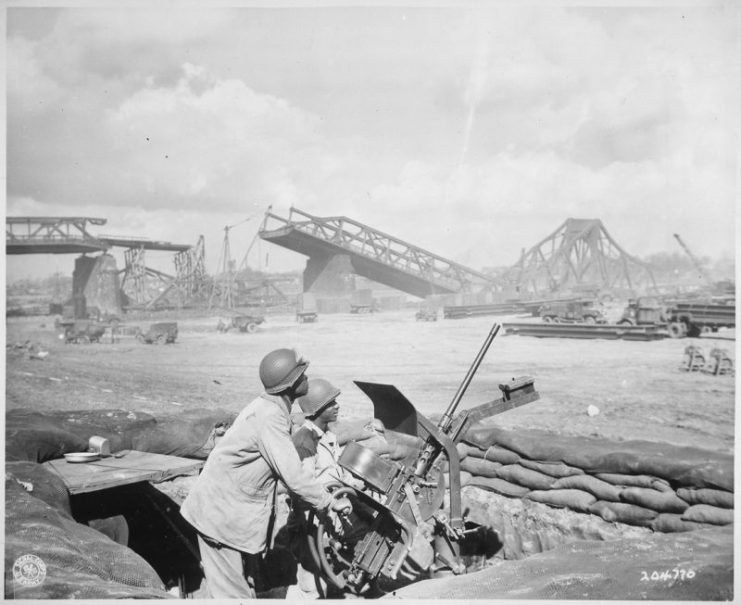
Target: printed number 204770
{"points": [[666, 575]]}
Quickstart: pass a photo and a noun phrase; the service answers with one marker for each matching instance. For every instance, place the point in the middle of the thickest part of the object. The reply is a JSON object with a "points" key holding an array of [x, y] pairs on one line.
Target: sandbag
{"points": [[116, 528], [705, 513], [525, 477], [401, 445], [480, 467], [352, 430], [41, 483], [377, 444], [464, 475], [663, 502], [118, 426], [635, 481], [574, 499], [683, 466], [81, 563], [554, 469], [667, 522], [714, 497], [189, 434], [622, 512], [500, 486], [494, 453], [600, 489], [34, 437]]}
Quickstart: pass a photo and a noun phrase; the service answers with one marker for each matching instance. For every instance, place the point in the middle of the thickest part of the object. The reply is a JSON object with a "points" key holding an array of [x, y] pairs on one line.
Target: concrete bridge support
{"points": [[331, 274], [95, 285]]}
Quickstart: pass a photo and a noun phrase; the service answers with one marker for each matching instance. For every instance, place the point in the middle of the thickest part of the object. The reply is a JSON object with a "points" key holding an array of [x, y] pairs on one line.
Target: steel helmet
{"points": [[320, 394], [280, 369]]}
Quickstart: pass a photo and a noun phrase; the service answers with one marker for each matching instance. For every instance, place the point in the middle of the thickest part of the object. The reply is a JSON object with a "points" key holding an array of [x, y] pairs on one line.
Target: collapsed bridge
{"points": [[332, 242]]}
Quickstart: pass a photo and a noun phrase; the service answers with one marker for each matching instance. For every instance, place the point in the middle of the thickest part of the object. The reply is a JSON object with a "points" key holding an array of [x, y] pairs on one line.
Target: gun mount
{"points": [[410, 532]]}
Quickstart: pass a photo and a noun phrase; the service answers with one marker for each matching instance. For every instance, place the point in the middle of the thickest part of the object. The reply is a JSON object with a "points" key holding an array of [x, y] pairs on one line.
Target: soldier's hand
{"points": [[343, 506]]}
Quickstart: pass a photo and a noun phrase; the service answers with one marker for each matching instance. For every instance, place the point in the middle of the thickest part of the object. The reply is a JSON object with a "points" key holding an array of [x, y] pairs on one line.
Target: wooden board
{"points": [[132, 467]]}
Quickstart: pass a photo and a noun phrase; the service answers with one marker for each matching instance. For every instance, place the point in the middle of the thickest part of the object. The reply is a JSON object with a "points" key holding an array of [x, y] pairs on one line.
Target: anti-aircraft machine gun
{"points": [[409, 531]]}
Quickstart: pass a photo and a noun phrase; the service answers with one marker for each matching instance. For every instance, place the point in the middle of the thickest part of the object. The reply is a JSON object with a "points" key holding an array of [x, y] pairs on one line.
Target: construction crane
{"points": [[225, 270], [703, 274]]}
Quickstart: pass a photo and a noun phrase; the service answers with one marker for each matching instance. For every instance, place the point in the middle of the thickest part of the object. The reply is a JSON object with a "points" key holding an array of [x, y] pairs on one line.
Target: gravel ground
{"points": [[637, 386]]}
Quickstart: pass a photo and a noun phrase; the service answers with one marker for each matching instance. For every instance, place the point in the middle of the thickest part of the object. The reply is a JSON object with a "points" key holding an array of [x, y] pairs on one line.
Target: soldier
{"points": [[232, 503], [318, 448]]}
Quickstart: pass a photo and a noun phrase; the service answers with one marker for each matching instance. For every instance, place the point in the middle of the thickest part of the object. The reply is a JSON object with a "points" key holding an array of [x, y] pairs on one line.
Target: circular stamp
{"points": [[29, 570]]}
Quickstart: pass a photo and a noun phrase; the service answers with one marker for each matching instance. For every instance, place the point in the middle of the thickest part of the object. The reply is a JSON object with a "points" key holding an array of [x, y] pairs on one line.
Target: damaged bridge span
{"points": [[372, 254]]}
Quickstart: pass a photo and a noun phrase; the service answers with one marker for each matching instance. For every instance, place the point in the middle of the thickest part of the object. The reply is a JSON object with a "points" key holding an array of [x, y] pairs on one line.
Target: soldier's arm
{"points": [[276, 446]]}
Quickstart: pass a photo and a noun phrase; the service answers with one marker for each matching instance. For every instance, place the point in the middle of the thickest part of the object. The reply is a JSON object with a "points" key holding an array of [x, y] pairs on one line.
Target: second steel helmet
{"points": [[321, 393], [280, 369]]}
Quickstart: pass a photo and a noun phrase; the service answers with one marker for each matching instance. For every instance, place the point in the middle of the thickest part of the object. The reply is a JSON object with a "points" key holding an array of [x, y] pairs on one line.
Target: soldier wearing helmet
{"points": [[318, 448], [232, 504]]}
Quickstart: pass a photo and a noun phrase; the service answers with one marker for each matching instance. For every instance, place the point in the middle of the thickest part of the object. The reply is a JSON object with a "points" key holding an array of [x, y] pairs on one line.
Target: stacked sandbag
{"points": [[661, 486], [79, 562], [40, 437]]}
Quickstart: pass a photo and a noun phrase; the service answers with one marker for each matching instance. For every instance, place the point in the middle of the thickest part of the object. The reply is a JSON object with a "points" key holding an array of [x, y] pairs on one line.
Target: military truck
{"points": [[160, 333], [242, 323], [572, 311], [644, 311], [79, 331], [692, 319], [680, 318]]}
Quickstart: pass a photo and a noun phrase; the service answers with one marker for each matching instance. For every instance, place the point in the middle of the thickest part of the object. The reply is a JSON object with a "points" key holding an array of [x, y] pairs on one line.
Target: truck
{"points": [[694, 318], [644, 311], [362, 301], [306, 310], [78, 331], [242, 322], [572, 311], [160, 333], [679, 318]]}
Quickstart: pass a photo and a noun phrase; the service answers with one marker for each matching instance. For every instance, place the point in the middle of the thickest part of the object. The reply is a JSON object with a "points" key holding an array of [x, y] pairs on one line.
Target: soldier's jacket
{"points": [[233, 499], [319, 452]]}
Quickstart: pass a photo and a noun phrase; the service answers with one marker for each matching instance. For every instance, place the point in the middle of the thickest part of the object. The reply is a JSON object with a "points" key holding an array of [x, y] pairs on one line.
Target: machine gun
{"points": [[408, 532]]}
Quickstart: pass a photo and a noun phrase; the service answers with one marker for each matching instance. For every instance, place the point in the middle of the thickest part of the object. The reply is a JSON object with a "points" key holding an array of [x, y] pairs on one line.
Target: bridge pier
{"points": [[95, 284], [331, 274]]}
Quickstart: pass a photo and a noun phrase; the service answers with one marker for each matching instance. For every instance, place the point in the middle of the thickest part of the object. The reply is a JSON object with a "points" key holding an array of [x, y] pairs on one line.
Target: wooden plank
{"points": [[133, 467]]}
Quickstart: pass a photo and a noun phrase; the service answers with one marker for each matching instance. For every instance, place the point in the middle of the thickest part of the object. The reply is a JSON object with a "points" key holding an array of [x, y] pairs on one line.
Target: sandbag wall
{"points": [[87, 559], [664, 487]]}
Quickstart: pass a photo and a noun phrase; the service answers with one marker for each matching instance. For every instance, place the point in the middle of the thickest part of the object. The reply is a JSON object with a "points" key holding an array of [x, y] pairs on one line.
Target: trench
{"points": [[148, 522]]}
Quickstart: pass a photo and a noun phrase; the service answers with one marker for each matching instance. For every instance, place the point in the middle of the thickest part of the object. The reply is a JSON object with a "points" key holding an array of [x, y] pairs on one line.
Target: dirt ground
{"points": [[637, 386]]}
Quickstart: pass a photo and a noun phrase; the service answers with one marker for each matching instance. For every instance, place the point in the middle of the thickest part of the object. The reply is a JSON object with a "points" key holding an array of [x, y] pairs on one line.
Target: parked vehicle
{"points": [[83, 331], [306, 311], [679, 318], [572, 311], [243, 323], [644, 311], [426, 315], [160, 333], [691, 319]]}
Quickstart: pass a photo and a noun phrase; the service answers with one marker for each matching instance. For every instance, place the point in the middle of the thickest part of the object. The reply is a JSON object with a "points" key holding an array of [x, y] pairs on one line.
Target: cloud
{"points": [[471, 133]]}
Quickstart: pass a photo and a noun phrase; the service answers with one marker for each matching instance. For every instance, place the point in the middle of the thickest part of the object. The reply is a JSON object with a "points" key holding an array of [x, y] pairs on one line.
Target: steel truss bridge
{"points": [[579, 253], [142, 285], [373, 254]]}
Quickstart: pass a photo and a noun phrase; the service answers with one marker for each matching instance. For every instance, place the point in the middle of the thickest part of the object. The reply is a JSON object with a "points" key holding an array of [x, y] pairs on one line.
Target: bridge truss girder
{"points": [[579, 253], [51, 235], [373, 251]]}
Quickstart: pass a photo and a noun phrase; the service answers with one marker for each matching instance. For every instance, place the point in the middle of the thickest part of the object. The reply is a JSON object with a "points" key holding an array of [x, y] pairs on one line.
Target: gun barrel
{"points": [[448, 415]]}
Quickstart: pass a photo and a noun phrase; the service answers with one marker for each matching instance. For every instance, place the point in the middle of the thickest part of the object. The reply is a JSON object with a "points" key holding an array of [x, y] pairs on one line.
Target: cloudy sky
{"points": [[471, 130]]}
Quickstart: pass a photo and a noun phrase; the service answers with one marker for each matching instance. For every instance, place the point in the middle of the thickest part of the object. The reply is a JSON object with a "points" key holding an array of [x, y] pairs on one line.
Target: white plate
{"points": [[82, 456]]}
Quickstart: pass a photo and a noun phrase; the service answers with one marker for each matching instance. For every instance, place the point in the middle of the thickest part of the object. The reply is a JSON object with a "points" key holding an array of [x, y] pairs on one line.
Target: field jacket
{"points": [[233, 499]]}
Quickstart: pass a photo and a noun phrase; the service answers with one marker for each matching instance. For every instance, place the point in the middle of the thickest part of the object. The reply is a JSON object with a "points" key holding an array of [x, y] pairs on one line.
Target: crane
{"points": [[703, 274], [226, 270]]}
